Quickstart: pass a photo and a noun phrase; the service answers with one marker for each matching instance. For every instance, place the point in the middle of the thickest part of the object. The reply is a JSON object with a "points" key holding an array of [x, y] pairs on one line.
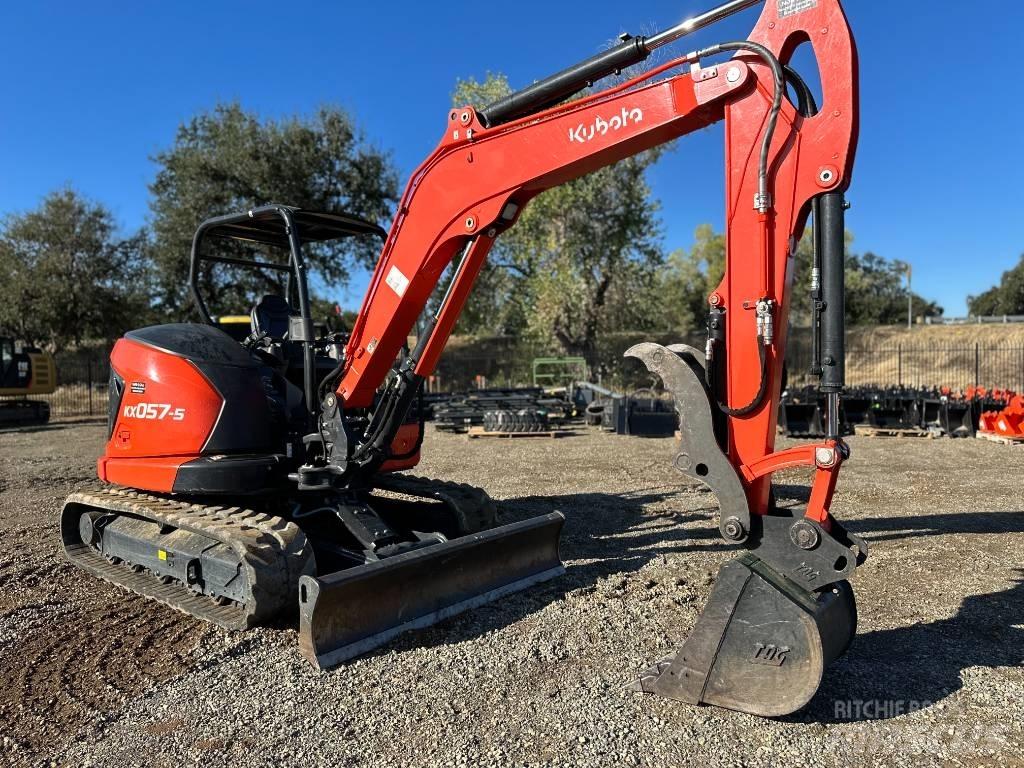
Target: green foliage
{"points": [[479, 94], [229, 160], [689, 278], [875, 292], [581, 260], [1007, 298], [67, 276]]}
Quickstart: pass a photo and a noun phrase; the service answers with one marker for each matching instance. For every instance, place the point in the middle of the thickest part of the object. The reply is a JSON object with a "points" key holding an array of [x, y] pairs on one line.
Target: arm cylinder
{"points": [[833, 290]]}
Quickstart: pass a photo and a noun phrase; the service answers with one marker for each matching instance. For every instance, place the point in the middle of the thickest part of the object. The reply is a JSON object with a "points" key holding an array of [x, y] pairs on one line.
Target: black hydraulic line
{"points": [[395, 403], [762, 387], [419, 435], [805, 102], [764, 199]]}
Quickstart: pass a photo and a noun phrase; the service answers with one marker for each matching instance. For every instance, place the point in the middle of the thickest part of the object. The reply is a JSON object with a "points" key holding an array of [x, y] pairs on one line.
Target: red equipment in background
{"points": [[1007, 423]]}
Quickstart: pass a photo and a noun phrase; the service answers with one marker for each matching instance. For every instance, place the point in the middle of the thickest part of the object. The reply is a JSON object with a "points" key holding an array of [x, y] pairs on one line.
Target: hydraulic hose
{"points": [[764, 199], [762, 387], [808, 107]]}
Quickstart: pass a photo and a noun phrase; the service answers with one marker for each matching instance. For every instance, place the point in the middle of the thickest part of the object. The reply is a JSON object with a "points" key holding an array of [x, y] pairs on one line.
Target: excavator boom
{"points": [[784, 161]]}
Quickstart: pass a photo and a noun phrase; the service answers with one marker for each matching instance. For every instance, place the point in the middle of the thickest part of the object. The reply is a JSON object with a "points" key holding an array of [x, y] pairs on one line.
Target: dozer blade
{"points": [[345, 614], [761, 644]]}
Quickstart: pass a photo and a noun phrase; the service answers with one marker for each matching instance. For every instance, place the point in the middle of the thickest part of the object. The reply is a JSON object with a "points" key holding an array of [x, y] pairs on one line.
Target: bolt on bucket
{"points": [[345, 614], [760, 645]]}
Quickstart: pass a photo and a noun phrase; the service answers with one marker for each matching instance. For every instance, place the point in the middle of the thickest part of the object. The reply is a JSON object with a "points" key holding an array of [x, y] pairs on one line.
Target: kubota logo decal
{"points": [[155, 411], [584, 133]]}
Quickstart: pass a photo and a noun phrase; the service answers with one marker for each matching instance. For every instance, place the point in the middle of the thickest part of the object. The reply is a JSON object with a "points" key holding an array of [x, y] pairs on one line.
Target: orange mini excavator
{"points": [[243, 479]]}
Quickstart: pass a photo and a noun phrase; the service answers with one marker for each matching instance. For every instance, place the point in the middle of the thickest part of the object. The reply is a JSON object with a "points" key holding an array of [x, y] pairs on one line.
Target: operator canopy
{"points": [[266, 225]]}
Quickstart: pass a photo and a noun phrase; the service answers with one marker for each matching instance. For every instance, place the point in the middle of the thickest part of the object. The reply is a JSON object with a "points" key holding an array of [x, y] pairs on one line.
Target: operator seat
{"points": [[270, 318]]}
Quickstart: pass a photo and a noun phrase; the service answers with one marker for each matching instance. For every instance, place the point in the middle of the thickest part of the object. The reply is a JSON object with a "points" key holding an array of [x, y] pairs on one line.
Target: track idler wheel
{"points": [[761, 644]]}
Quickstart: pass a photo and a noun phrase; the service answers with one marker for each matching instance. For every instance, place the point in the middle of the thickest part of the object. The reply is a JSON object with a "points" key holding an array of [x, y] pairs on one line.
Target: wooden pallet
{"points": [[999, 438], [866, 430], [475, 432]]}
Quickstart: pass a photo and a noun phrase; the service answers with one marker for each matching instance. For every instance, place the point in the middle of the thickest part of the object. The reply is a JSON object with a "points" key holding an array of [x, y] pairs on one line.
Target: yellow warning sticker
{"points": [[162, 554]]}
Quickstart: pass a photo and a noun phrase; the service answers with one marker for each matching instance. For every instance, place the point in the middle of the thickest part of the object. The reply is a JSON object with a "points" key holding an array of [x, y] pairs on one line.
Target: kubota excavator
{"points": [[241, 479]]}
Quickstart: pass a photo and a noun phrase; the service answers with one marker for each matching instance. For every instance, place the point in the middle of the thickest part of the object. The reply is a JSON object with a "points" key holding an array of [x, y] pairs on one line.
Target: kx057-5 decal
{"points": [[154, 411]]}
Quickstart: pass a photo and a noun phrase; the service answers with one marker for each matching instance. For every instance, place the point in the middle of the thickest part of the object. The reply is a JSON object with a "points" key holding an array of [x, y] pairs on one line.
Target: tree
{"points": [[689, 279], [578, 259], [68, 277], [1007, 298], [875, 294], [874, 286], [229, 160]]}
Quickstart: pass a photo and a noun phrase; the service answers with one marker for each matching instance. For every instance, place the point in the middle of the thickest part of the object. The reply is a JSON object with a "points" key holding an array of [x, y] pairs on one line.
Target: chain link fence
{"points": [[496, 362], [957, 365]]}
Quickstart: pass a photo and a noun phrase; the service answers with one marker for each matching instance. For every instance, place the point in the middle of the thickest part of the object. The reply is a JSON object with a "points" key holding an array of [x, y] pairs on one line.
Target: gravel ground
{"points": [[90, 674]]}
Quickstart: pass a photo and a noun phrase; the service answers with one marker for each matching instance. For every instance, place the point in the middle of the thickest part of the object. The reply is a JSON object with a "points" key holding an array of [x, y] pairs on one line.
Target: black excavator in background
{"points": [[24, 371]]}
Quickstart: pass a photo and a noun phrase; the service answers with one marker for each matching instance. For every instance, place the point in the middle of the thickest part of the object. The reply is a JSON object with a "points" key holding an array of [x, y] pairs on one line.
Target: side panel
{"points": [[153, 474], [188, 414], [44, 374], [168, 407]]}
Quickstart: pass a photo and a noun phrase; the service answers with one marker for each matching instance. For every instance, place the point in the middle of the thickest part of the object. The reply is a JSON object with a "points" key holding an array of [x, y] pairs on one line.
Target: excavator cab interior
{"points": [[282, 332]]}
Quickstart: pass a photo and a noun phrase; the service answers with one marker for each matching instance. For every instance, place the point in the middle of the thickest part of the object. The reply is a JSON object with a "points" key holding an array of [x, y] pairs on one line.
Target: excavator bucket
{"points": [[761, 644], [345, 614], [801, 420], [779, 613]]}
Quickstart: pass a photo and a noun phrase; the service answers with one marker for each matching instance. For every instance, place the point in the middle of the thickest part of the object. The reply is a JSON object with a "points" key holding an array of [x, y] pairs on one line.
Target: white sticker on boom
{"points": [[397, 281], [793, 7]]}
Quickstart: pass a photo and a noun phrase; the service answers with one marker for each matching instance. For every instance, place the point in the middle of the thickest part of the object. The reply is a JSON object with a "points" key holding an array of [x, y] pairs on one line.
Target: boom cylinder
{"points": [[632, 50], [833, 289], [705, 19], [560, 86]]}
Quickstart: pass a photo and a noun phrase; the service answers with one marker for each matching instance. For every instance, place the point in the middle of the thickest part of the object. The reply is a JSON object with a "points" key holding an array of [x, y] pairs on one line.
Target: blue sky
{"points": [[91, 90]]}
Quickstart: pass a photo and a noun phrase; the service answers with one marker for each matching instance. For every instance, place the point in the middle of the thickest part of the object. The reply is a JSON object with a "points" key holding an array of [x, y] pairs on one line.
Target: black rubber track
{"points": [[273, 552]]}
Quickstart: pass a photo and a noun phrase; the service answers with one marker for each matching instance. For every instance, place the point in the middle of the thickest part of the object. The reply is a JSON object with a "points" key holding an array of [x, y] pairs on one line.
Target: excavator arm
{"points": [[785, 159], [779, 164]]}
